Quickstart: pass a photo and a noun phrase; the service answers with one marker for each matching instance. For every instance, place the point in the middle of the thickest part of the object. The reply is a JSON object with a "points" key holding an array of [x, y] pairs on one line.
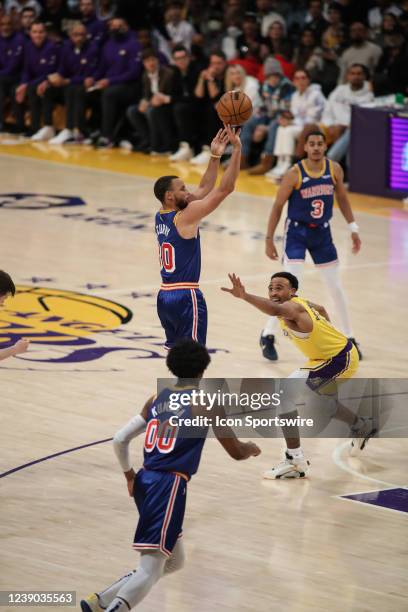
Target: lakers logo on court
{"points": [[67, 327]]}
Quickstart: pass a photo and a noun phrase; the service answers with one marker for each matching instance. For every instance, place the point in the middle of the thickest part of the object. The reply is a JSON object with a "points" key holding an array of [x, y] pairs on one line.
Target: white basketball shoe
{"points": [[288, 468], [361, 432]]}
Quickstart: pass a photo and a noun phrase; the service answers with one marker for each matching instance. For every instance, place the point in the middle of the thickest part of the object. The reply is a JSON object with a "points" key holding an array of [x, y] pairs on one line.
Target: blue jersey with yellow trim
{"points": [[180, 258], [166, 446], [311, 201]]}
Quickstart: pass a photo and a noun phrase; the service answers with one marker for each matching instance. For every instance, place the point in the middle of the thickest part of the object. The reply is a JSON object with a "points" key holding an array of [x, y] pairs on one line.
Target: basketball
{"points": [[234, 108]]}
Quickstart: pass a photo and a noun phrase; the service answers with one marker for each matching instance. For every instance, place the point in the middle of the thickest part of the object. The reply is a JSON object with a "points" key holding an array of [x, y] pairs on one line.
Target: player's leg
{"points": [[192, 318], [294, 252], [167, 311], [294, 464], [177, 559], [324, 255]]}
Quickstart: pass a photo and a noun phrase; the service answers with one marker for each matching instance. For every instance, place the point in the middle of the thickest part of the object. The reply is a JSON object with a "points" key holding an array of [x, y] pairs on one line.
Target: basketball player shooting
{"points": [[332, 357], [180, 304], [309, 188], [159, 488], [7, 289]]}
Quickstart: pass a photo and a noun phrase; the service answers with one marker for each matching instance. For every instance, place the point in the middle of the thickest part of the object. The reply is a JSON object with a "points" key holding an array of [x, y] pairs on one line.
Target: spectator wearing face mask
{"points": [[117, 78]]}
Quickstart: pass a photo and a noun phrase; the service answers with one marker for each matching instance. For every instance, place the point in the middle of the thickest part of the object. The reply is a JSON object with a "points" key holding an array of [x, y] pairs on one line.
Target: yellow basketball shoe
{"points": [[91, 604]]}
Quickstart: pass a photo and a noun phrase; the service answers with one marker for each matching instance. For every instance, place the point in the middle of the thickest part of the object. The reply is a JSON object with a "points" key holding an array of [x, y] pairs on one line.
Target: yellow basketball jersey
{"points": [[323, 342]]}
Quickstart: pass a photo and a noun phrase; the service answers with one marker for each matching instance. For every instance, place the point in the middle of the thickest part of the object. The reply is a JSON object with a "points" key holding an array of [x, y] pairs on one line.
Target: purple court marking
{"points": [[390, 499], [64, 452]]}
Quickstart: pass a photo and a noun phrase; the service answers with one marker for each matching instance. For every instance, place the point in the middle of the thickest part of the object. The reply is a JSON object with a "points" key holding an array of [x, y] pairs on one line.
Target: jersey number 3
{"points": [[318, 209], [167, 257], [167, 440]]}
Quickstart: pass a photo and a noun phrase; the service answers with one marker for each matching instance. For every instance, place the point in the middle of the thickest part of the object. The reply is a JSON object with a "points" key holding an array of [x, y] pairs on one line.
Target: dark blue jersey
{"points": [[311, 201], [180, 258], [165, 447]]}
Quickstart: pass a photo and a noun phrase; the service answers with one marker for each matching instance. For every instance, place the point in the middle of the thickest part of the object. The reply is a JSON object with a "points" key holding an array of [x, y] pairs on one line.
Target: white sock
{"points": [[331, 276], [296, 453], [139, 583], [107, 596]]}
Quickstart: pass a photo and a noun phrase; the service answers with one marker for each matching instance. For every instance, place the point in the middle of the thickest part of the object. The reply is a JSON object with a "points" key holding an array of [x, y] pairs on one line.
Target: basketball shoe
{"points": [[267, 344], [288, 468], [361, 432], [91, 604]]}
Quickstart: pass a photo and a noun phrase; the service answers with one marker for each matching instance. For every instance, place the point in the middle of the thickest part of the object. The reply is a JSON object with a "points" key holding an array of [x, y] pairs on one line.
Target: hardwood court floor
{"points": [[252, 545]]}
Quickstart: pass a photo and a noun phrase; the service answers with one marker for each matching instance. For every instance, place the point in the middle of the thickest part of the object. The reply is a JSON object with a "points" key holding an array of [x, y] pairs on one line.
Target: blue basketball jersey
{"points": [[311, 201], [165, 449], [180, 258]]}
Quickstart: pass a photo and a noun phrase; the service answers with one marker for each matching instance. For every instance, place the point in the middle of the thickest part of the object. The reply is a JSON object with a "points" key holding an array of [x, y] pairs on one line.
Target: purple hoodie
{"points": [[96, 29], [39, 62], [120, 61], [11, 55], [78, 64]]}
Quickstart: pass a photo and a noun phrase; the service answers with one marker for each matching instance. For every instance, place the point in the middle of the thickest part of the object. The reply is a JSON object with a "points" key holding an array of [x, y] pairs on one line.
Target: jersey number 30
{"points": [[318, 209], [167, 440], [167, 257]]}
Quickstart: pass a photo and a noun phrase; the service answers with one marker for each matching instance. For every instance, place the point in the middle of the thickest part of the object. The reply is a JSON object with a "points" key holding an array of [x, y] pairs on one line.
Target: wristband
{"points": [[353, 227], [216, 156]]}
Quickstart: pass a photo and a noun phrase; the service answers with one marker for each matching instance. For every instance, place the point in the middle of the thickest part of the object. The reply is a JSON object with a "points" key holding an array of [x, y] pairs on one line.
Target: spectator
{"points": [[275, 40], [178, 29], [209, 89], [266, 15], [16, 6], [391, 75], [11, 61], [336, 117], [376, 14], [237, 78], [184, 103], [306, 106], [276, 94], [41, 58], [152, 118], [232, 29], [333, 36], [54, 14], [116, 77], [361, 51], [390, 27], [309, 55], [27, 18], [249, 44], [95, 28], [105, 9], [146, 41], [78, 61], [314, 19]]}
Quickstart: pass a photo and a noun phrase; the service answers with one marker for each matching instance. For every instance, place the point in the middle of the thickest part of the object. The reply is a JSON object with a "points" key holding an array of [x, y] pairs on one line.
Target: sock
{"points": [[331, 276], [296, 453], [139, 583], [107, 596], [271, 327]]}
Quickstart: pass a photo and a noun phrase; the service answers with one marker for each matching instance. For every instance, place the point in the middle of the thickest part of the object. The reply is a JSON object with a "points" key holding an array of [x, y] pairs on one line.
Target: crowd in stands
{"points": [[147, 75]]}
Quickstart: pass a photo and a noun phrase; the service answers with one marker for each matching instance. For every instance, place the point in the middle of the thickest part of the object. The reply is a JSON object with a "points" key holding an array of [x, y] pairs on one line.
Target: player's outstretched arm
{"points": [[189, 217], [235, 448], [286, 187], [345, 207], [289, 310], [217, 148], [21, 346], [123, 437]]}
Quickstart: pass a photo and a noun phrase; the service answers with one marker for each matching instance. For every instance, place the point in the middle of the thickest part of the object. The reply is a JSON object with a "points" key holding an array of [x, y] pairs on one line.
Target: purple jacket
{"points": [[11, 55], [39, 62], [96, 29], [78, 64], [120, 61]]}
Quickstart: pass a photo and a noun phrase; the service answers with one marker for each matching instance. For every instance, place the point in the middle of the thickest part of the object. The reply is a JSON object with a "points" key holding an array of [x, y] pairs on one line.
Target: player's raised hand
{"points": [[238, 289], [219, 143], [356, 240], [270, 249], [21, 346], [233, 136]]}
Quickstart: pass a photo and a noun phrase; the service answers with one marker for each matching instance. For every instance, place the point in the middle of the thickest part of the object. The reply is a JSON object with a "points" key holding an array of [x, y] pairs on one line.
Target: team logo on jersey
{"points": [[33, 201]]}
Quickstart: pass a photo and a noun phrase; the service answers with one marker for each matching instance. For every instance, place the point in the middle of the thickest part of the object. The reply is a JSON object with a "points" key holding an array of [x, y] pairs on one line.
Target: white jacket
{"points": [[307, 107], [338, 107]]}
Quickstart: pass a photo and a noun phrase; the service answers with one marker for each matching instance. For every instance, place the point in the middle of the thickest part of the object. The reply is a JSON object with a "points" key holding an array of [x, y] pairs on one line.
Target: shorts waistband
{"points": [[176, 286], [309, 225], [181, 474]]}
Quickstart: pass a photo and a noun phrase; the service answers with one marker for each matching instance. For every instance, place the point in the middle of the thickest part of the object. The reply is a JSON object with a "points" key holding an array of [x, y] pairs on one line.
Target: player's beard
{"points": [[181, 204]]}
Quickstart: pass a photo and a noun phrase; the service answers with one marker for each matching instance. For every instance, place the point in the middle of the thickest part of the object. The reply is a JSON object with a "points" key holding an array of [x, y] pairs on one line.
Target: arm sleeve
{"points": [[123, 437]]}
